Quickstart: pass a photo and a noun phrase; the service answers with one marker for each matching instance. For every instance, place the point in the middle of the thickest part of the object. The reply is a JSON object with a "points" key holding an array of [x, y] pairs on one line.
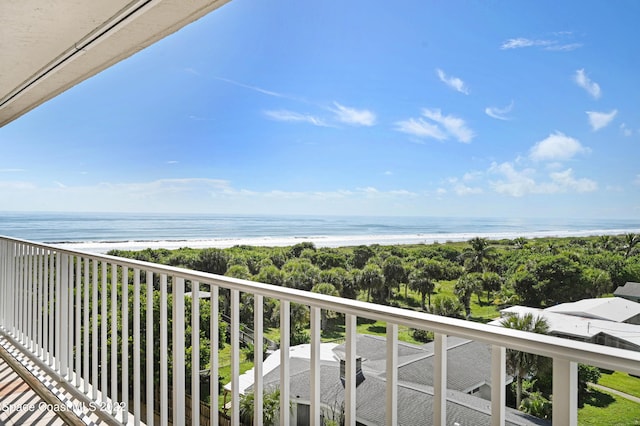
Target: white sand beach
{"points": [[324, 241]]}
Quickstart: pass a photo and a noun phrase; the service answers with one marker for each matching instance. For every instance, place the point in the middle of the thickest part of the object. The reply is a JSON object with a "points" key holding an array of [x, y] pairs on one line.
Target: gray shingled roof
{"points": [[629, 289], [415, 406], [472, 361]]}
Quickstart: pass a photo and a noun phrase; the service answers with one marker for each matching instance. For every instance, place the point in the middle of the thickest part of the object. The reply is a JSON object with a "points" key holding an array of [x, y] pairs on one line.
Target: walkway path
{"points": [[616, 392]]}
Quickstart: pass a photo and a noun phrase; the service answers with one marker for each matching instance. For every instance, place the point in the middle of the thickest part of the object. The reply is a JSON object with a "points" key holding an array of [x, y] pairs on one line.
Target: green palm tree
{"points": [[447, 307], [423, 278], [330, 290], [270, 403], [477, 256], [631, 240], [371, 279], [465, 287], [524, 364]]}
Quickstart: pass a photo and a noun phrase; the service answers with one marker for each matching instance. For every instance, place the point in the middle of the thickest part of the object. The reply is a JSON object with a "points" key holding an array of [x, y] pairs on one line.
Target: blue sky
{"points": [[521, 109]]}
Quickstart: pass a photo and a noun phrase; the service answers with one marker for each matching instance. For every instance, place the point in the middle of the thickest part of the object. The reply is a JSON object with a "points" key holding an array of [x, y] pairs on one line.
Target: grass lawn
{"points": [[622, 382], [602, 408], [225, 368], [480, 312]]}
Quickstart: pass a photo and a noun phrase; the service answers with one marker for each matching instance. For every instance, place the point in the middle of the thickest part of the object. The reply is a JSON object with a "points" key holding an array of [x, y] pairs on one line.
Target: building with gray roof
{"points": [[465, 406], [614, 309], [630, 291]]}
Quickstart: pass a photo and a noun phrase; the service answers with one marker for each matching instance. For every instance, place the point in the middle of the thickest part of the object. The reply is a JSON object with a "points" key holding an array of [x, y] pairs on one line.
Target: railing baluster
{"points": [[125, 344], [94, 332], [114, 334], [214, 344], [498, 378], [392, 375], [86, 325], [34, 300], [70, 335], [24, 295], [149, 382], [350, 370], [178, 351], [314, 412], [164, 349], [13, 290], [33, 273], [104, 364], [58, 313], [41, 306], [64, 316], [29, 299], [285, 386], [54, 306], [565, 392], [235, 356], [195, 353], [258, 350], [78, 347], [440, 380], [45, 306], [136, 347]]}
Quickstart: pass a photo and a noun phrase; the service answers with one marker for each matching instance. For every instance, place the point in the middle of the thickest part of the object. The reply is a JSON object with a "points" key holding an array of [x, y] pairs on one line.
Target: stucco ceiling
{"points": [[48, 46]]}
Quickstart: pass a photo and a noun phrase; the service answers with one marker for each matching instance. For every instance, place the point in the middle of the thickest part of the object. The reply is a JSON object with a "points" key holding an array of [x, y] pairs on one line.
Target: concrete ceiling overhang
{"points": [[48, 46]]}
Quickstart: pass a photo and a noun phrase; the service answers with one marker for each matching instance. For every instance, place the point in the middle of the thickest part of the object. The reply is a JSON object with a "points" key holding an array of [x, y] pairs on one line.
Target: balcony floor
{"points": [[17, 398], [20, 404]]}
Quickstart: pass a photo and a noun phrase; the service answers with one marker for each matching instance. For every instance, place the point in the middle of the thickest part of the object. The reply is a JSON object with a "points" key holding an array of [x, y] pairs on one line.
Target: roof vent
{"points": [[359, 374]]}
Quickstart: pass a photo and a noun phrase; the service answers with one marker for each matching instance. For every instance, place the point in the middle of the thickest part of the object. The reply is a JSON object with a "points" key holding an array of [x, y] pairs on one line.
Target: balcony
{"points": [[65, 312]]}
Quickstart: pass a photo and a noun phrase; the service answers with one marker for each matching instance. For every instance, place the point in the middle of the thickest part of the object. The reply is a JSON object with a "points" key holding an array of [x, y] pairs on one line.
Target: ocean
{"points": [[101, 232]]}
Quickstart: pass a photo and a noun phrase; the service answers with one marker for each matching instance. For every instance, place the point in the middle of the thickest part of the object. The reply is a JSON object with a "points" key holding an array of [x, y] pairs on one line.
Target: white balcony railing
{"points": [[67, 311]]}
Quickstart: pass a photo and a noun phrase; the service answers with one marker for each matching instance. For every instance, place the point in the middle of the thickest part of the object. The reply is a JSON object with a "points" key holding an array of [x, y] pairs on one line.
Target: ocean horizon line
{"points": [[329, 241], [105, 232]]}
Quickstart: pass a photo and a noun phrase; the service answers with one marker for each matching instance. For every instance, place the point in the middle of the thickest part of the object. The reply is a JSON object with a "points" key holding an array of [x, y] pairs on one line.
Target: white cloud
{"points": [[388, 173], [453, 82], [12, 170], [566, 181], [453, 125], [499, 113], [563, 47], [515, 183], [556, 147], [625, 130], [558, 43], [518, 183], [471, 176], [462, 189], [445, 126], [16, 186], [254, 88], [172, 162], [585, 82], [291, 116], [598, 120], [637, 180], [356, 117], [520, 42], [421, 128]]}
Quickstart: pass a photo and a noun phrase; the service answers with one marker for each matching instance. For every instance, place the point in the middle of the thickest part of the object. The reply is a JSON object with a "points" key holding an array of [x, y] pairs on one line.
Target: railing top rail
{"points": [[551, 346]]}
